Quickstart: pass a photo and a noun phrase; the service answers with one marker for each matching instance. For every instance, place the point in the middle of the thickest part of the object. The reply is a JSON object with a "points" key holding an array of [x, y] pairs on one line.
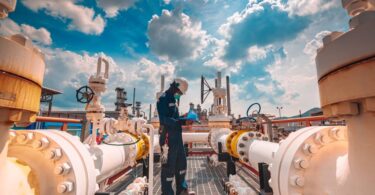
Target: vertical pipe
{"points": [[149, 114], [133, 108], [162, 83], [228, 96], [218, 79], [361, 147], [50, 106], [150, 159], [4, 135]]}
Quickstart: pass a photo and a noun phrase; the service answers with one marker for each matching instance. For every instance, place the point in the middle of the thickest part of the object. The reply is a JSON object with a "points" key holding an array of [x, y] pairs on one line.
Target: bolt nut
{"points": [[37, 144], [336, 133], [65, 187], [12, 135], [245, 138], [301, 164], [324, 139], [251, 134], [30, 136], [21, 139], [241, 145], [62, 169], [54, 154], [310, 149], [299, 181]]}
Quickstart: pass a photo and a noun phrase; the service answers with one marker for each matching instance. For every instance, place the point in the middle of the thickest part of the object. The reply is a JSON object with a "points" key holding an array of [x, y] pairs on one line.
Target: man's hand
{"points": [[189, 122]]}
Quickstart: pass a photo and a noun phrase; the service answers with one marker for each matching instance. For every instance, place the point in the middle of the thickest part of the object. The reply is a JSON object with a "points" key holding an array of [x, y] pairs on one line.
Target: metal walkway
{"points": [[201, 177]]}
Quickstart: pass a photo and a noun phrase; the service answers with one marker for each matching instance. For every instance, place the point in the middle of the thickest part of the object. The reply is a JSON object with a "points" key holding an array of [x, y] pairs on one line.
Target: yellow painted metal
{"points": [[231, 142], [143, 145]]}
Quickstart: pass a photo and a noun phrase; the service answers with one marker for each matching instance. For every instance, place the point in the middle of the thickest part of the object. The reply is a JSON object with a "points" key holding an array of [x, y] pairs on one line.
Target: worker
{"points": [[173, 157]]}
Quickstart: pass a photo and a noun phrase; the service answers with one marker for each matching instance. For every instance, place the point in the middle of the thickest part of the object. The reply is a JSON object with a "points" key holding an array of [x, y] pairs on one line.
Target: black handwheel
{"points": [[84, 94], [248, 113]]}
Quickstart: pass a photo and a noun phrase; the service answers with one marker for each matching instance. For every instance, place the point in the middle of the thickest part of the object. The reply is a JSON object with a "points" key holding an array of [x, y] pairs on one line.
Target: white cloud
{"points": [[167, 1], [40, 35], [174, 36], [316, 43], [113, 7], [309, 7], [79, 17], [215, 59], [256, 53]]}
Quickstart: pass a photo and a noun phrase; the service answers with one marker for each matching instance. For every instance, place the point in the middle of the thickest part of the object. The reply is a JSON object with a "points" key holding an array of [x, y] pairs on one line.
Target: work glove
{"points": [[164, 154]]}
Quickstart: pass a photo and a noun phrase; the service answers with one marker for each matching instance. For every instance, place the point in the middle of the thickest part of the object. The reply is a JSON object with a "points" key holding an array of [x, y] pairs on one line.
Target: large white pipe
{"points": [[261, 152], [112, 155], [195, 137]]}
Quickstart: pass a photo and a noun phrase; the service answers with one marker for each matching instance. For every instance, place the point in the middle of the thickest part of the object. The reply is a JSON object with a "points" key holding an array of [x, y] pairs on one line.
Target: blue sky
{"points": [[266, 47]]}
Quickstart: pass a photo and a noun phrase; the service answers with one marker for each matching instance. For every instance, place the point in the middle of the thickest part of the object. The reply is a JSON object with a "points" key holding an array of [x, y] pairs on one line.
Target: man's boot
{"points": [[187, 192]]}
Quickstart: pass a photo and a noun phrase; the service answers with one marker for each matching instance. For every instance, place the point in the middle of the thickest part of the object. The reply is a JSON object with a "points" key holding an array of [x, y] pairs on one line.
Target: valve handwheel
{"points": [[84, 94], [255, 111]]}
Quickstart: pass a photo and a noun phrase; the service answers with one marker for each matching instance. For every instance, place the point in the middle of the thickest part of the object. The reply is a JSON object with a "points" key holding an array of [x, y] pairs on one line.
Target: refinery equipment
{"points": [[220, 109]]}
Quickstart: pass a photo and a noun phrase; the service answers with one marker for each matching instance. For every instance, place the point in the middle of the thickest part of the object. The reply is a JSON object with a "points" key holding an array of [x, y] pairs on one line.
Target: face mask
{"points": [[177, 96]]}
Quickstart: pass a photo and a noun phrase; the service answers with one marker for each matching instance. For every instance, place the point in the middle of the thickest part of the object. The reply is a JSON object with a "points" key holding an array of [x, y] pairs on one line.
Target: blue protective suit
{"points": [[171, 134]]}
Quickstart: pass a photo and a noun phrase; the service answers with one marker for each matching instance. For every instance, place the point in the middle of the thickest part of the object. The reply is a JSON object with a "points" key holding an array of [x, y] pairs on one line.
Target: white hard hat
{"points": [[182, 85]]}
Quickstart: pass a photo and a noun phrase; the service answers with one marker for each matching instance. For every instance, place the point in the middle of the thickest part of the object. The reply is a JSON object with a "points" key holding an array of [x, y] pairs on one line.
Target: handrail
{"points": [[302, 119], [64, 121], [56, 119]]}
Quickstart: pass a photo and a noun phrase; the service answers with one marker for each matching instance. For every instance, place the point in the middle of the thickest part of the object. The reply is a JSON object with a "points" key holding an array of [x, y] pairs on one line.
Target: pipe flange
{"points": [[56, 157], [215, 135], [295, 155]]}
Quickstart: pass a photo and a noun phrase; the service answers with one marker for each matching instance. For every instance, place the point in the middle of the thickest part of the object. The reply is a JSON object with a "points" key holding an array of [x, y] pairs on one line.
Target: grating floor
{"points": [[201, 178]]}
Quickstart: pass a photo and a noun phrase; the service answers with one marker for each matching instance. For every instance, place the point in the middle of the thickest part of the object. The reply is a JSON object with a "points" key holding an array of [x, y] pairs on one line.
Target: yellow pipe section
{"points": [[143, 145], [232, 140]]}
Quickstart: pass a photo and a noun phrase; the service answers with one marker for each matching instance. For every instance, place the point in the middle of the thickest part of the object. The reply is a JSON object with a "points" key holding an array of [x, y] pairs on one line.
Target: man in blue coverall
{"points": [[173, 157]]}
